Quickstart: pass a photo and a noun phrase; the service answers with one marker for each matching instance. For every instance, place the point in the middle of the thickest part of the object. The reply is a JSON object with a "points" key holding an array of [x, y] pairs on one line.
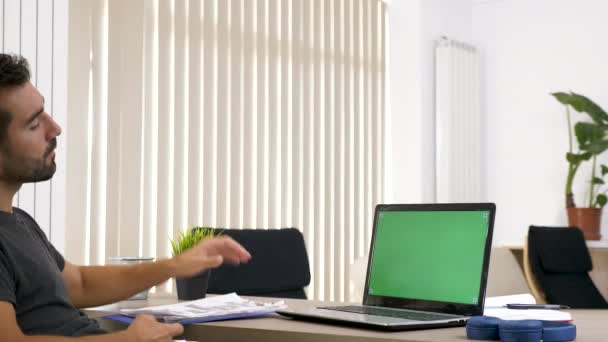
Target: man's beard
{"points": [[26, 170]]}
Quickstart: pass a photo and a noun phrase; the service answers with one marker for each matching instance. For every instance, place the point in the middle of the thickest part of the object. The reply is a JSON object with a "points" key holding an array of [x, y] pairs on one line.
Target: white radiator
{"points": [[457, 122]]}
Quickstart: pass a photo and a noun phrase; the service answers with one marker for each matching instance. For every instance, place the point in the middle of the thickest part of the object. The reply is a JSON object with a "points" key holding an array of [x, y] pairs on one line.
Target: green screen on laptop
{"points": [[429, 255]]}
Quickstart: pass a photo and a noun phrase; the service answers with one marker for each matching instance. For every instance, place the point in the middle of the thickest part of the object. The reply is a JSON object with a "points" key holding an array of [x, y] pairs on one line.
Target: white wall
{"points": [[37, 30], [529, 49], [413, 28]]}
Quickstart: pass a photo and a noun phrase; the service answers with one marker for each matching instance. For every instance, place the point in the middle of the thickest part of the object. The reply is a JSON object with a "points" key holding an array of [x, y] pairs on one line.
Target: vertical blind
{"points": [[36, 30], [226, 113]]}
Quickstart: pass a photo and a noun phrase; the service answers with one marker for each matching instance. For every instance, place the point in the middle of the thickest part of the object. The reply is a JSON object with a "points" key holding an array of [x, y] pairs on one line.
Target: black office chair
{"points": [[560, 261], [278, 268]]}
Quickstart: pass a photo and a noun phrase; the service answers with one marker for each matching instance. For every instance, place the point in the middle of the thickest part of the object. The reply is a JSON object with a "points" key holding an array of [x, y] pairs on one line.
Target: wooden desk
{"points": [[590, 325], [599, 274]]}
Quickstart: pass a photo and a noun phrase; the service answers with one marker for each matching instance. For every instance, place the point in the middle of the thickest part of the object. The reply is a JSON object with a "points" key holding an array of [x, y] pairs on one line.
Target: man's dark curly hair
{"points": [[14, 72]]}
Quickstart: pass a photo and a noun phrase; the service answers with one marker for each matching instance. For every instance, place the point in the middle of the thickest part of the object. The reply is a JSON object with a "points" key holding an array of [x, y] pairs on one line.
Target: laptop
{"points": [[428, 268]]}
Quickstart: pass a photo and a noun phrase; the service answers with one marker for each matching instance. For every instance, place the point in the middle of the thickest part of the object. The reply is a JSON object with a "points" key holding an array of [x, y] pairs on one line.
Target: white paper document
{"points": [[495, 307], [501, 301], [228, 306]]}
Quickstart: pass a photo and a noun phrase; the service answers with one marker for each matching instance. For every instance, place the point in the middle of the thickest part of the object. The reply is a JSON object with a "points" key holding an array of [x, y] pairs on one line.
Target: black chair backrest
{"points": [[278, 267], [560, 261]]}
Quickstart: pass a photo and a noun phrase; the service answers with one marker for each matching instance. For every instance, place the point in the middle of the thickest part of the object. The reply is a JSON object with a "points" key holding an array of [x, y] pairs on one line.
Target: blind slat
{"points": [[285, 113], [328, 191], [339, 248], [150, 142], [376, 156], [78, 87], [381, 98], [359, 138], [262, 113], [367, 119], [165, 130], [224, 110], [131, 118], [209, 108], [180, 117], [308, 158], [297, 85], [195, 122], [115, 107], [274, 118], [236, 143], [349, 167], [99, 141], [249, 174]]}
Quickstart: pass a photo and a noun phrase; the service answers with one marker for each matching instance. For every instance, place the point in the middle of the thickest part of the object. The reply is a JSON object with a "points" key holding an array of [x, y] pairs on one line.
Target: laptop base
{"points": [[314, 315]]}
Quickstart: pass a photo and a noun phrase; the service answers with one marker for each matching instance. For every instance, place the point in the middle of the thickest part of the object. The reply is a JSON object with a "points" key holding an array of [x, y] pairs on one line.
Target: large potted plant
{"points": [[194, 287], [592, 140]]}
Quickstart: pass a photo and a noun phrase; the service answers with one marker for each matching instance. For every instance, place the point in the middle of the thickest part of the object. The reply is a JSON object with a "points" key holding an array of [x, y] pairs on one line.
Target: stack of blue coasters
{"points": [[494, 329]]}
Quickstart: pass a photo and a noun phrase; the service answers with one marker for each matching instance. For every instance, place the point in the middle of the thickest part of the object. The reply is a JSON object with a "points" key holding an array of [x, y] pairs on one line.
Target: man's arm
{"points": [[99, 285], [143, 329], [90, 286]]}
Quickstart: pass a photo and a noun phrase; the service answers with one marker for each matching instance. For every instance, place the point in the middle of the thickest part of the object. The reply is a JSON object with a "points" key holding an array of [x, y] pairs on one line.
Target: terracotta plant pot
{"points": [[588, 220], [194, 287]]}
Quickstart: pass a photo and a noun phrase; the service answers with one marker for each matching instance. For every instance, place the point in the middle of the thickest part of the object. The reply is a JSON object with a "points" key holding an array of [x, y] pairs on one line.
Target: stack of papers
{"points": [[495, 307], [217, 308]]}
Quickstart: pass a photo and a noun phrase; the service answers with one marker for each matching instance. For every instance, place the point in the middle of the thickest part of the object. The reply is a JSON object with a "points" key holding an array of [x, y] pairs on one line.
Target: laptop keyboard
{"points": [[377, 311]]}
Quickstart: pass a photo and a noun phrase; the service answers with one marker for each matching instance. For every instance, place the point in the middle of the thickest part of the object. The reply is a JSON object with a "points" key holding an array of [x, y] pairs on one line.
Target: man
{"points": [[40, 292]]}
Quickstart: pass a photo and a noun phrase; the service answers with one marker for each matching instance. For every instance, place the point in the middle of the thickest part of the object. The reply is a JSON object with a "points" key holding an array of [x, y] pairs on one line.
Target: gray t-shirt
{"points": [[30, 279]]}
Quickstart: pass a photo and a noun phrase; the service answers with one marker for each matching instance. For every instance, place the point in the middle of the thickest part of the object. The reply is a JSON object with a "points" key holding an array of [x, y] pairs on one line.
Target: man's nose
{"points": [[55, 129]]}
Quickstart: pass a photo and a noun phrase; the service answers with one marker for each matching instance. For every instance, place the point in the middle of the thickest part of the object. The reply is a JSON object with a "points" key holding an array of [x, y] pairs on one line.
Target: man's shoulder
{"points": [[27, 220], [22, 213], [25, 217]]}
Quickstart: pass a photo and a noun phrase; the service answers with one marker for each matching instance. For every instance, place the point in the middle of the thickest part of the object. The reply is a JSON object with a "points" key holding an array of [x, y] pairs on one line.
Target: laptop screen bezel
{"points": [[429, 305]]}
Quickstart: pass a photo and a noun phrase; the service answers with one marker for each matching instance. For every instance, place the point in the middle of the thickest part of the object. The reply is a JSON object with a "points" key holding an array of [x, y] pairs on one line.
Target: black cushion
{"points": [[560, 261], [278, 267]]}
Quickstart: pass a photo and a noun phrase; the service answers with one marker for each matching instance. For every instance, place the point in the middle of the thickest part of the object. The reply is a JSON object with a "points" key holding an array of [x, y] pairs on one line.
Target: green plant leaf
{"points": [[586, 105], [582, 104], [601, 200], [575, 158], [597, 180], [588, 132], [563, 98], [604, 169], [596, 147]]}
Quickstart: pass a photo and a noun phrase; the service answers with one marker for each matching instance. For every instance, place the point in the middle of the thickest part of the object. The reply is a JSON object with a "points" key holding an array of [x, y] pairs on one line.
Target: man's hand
{"points": [[209, 253], [145, 328]]}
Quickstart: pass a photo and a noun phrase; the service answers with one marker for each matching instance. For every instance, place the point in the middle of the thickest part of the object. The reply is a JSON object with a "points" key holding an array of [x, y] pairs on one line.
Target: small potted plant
{"points": [[592, 140], [194, 287]]}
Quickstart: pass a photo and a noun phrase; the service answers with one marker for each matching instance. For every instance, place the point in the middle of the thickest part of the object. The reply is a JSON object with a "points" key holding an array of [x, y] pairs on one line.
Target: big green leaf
{"points": [[582, 104], [601, 200], [563, 98], [586, 105], [587, 132], [596, 147]]}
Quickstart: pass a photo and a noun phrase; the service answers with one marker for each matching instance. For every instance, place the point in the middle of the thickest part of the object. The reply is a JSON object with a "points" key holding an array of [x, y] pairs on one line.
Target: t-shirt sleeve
{"points": [[7, 281]]}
